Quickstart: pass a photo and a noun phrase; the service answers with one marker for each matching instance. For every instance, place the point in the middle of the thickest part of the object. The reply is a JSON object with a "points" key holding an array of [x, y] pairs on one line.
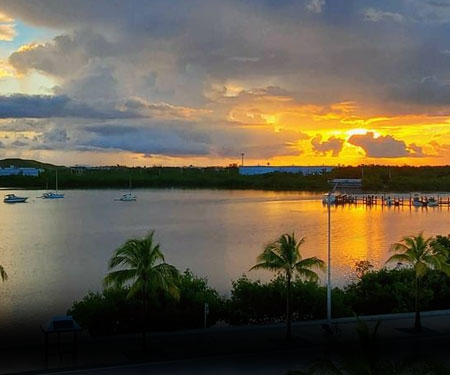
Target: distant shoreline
{"points": [[375, 179]]}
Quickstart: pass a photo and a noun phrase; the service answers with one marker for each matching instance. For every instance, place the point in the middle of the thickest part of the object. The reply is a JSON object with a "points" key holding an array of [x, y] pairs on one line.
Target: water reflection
{"points": [[56, 251]]}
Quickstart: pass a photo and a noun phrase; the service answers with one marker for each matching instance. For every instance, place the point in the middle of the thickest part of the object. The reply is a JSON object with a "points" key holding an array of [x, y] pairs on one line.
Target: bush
{"points": [[392, 291], [112, 312], [253, 302]]}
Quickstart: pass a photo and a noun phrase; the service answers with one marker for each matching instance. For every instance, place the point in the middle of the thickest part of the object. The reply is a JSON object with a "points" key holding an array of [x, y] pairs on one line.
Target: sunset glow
{"points": [[310, 93]]}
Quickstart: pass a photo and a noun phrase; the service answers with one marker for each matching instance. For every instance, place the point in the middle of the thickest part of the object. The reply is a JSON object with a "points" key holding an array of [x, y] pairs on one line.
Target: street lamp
{"points": [[242, 158], [349, 183], [329, 255]]}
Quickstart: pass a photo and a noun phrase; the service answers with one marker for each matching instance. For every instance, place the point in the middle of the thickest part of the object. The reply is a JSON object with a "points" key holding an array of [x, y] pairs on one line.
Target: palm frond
{"points": [[399, 258], [119, 278], [143, 266], [307, 274], [312, 262]]}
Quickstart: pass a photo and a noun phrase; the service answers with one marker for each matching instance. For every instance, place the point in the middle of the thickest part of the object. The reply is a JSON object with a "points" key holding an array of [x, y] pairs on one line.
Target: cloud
{"points": [[5, 19], [385, 146], [426, 91], [315, 6], [19, 144], [333, 144], [415, 150], [41, 106], [141, 72], [7, 32], [173, 142], [377, 15], [64, 56]]}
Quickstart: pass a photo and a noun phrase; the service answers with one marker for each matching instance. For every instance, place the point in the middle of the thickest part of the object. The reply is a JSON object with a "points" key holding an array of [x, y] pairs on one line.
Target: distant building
{"points": [[346, 182], [14, 171], [254, 170]]}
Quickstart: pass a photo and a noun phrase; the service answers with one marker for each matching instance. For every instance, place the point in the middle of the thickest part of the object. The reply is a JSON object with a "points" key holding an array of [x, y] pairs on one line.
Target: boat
{"points": [[53, 195], [11, 198], [416, 202], [128, 197], [331, 197], [432, 202]]}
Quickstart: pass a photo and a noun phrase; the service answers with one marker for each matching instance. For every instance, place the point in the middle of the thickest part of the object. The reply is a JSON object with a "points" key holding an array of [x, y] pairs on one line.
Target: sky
{"points": [[199, 82]]}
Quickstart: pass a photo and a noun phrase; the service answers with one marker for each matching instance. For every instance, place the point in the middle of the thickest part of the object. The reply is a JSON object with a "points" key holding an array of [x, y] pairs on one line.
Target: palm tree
{"points": [[422, 255], [283, 255], [143, 268]]}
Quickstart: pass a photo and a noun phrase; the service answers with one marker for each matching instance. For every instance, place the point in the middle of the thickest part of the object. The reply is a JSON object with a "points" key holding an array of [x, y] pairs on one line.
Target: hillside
{"points": [[24, 163]]}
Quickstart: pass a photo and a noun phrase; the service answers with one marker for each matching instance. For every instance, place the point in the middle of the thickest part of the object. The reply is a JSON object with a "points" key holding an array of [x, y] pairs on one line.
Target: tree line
{"points": [[144, 293]]}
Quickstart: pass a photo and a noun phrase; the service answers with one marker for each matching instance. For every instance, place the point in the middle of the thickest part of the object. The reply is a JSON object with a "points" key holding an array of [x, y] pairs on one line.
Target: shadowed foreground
{"points": [[241, 350]]}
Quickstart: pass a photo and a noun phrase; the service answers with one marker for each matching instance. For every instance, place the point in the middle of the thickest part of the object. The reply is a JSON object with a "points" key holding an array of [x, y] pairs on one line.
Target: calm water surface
{"points": [[55, 251]]}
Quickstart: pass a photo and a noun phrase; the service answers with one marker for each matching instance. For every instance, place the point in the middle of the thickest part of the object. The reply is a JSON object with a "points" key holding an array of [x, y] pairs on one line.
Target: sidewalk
{"points": [[310, 341]]}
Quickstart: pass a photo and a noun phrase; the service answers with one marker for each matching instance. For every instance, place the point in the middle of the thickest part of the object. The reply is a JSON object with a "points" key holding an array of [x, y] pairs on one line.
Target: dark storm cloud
{"points": [[156, 140], [384, 146], [136, 59], [426, 91], [172, 50], [40, 106]]}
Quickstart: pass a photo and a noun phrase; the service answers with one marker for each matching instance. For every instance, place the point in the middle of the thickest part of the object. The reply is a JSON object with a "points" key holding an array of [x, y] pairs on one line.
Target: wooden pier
{"points": [[391, 200]]}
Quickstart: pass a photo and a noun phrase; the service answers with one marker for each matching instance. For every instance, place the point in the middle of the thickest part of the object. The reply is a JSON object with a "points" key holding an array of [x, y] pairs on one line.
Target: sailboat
{"points": [[127, 197], [55, 194]]}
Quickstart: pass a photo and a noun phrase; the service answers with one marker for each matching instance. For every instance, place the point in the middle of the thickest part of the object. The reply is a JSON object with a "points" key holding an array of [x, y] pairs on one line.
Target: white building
{"points": [[253, 170], [14, 171]]}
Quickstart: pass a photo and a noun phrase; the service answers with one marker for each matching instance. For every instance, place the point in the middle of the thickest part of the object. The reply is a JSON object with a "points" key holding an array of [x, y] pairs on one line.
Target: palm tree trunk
{"points": [[417, 324], [288, 309], [144, 321]]}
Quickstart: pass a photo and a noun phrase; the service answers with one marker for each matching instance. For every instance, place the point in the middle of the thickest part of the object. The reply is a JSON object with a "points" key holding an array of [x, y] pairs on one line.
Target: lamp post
{"points": [[329, 256], [242, 158]]}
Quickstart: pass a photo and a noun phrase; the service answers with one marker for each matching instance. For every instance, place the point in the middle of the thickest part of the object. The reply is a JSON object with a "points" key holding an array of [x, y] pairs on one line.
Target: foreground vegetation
{"points": [[254, 302], [375, 178], [141, 296]]}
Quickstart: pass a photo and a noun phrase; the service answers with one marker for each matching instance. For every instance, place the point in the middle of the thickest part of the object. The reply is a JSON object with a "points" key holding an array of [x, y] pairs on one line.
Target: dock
{"points": [[391, 200]]}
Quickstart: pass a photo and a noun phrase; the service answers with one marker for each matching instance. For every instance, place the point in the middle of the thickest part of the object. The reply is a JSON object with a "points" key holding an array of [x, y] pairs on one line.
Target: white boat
{"points": [[432, 202], [53, 195], [128, 197], [11, 198], [331, 197]]}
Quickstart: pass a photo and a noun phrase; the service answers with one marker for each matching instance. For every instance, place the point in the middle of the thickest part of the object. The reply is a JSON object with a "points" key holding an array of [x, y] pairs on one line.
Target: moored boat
{"points": [[417, 202], [128, 197], [11, 198], [53, 195], [329, 197], [432, 202]]}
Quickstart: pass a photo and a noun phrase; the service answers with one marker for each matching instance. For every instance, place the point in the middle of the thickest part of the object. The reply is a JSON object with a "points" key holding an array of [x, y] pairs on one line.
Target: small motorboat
{"points": [[128, 197], [417, 202], [432, 202], [11, 198]]}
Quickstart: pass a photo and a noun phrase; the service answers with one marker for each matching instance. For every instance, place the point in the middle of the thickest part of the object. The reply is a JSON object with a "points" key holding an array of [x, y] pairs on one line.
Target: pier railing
{"points": [[392, 200]]}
